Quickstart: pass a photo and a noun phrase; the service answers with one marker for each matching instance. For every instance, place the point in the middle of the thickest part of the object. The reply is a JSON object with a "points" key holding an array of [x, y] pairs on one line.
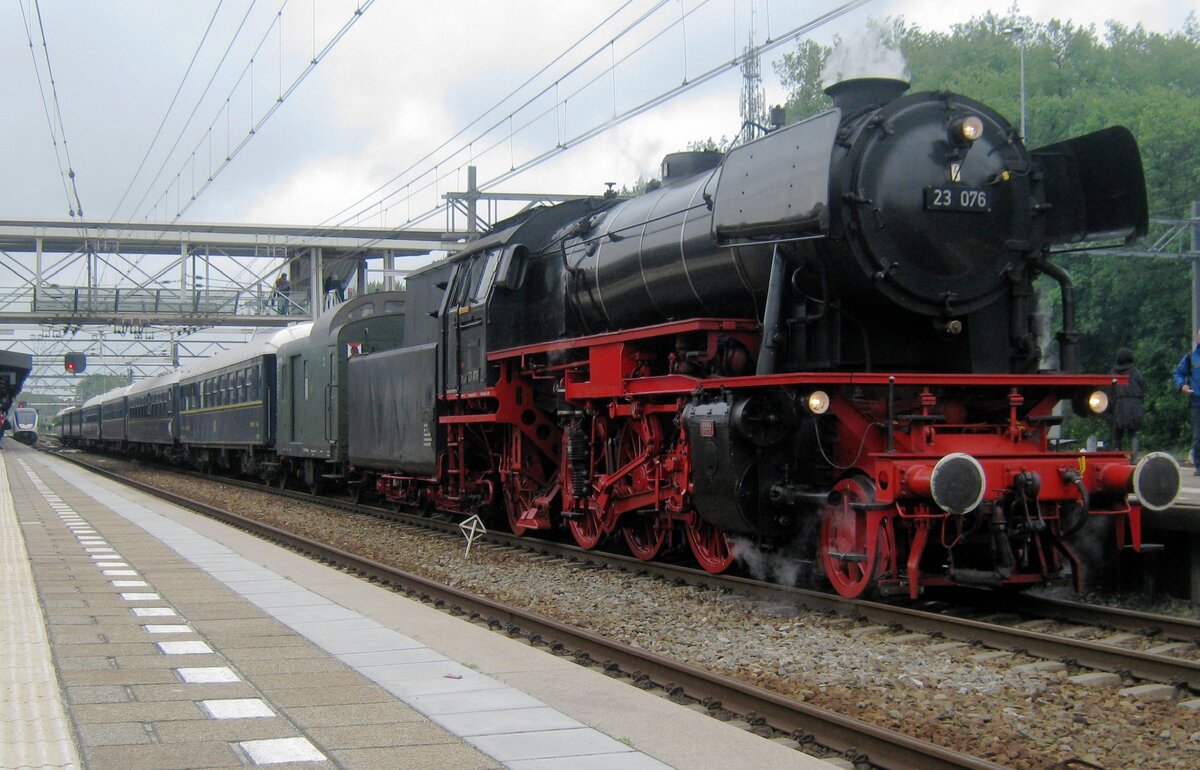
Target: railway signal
{"points": [[75, 363]]}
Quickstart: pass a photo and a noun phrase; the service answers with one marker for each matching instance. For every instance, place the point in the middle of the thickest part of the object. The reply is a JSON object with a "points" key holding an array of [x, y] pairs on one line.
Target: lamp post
{"points": [[1018, 34]]}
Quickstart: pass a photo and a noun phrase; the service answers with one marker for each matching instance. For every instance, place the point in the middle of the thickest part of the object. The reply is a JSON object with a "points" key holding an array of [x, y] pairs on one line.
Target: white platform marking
{"points": [[184, 648], [152, 612], [208, 675], [237, 708], [278, 750], [168, 629]]}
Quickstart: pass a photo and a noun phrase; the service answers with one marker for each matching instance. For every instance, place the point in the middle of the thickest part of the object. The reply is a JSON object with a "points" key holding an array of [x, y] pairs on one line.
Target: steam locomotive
{"points": [[827, 341]]}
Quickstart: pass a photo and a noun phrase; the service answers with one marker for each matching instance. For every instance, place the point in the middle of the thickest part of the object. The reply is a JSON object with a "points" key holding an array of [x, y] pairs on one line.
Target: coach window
{"points": [[254, 396], [362, 311], [491, 260], [306, 379], [465, 283]]}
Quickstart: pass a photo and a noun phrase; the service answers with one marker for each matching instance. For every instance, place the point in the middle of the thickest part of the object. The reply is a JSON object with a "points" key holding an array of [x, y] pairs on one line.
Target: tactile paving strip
{"points": [[34, 730]]}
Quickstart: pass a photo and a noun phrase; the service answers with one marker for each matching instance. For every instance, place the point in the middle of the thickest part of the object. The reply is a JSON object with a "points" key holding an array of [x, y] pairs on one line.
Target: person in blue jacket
{"points": [[1187, 380]]}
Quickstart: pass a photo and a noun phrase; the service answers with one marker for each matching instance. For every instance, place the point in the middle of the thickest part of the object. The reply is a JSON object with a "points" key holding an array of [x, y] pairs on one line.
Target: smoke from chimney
{"points": [[864, 55]]}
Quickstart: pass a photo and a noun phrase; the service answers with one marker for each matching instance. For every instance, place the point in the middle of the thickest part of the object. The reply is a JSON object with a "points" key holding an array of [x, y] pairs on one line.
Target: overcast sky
{"points": [[406, 77]]}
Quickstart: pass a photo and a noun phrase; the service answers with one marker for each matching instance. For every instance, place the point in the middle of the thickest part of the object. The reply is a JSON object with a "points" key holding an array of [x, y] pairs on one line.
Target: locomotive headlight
{"points": [[1098, 402], [818, 402], [964, 131]]}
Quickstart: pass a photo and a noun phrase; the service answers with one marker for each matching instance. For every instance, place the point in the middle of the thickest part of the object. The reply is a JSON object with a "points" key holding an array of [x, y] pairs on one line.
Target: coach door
{"points": [[464, 323], [332, 434], [297, 382]]}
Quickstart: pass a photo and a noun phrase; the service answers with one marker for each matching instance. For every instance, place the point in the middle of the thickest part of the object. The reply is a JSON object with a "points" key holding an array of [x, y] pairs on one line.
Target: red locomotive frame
{"points": [[879, 526]]}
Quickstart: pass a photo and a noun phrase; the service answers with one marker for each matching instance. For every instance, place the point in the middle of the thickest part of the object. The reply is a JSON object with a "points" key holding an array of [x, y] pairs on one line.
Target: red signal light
{"points": [[75, 363]]}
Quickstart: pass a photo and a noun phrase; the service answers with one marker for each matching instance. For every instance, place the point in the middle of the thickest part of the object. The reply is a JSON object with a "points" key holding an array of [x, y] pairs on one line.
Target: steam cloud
{"points": [[865, 55]]}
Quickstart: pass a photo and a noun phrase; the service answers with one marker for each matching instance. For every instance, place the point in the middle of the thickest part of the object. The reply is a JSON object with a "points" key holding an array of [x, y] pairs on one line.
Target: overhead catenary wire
{"points": [[171, 106], [279, 101], [632, 112], [513, 93], [597, 27], [196, 108], [68, 177], [605, 46]]}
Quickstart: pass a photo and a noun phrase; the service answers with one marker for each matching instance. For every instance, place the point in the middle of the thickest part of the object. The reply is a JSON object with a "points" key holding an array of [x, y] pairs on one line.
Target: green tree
{"points": [[95, 384], [800, 73], [1079, 80]]}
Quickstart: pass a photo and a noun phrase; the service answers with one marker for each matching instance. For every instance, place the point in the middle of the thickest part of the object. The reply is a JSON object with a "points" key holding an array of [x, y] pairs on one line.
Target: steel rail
{"points": [[864, 741], [1134, 621], [1163, 669]]}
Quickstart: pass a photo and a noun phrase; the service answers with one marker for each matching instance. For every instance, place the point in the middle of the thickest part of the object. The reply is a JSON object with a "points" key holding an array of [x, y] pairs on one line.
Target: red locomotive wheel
{"points": [[520, 489], [851, 567], [585, 528], [644, 535], [710, 546], [514, 503]]}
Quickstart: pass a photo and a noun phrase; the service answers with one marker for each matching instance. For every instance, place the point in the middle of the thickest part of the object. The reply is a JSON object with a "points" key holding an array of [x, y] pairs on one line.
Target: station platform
{"points": [[1178, 527], [138, 635]]}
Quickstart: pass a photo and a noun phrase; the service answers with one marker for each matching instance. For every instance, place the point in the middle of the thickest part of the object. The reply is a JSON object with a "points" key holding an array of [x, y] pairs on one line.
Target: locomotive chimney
{"points": [[854, 94]]}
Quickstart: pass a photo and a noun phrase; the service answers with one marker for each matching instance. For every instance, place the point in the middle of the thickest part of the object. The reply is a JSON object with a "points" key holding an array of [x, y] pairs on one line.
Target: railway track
{"points": [[866, 743], [1016, 633]]}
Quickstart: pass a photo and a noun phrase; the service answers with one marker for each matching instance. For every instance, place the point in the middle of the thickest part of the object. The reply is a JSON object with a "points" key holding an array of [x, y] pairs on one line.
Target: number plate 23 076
{"points": [[957, 199]]}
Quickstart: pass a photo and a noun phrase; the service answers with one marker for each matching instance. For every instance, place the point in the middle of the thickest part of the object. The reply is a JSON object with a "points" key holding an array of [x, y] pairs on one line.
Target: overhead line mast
{"points": [[754, 99]]}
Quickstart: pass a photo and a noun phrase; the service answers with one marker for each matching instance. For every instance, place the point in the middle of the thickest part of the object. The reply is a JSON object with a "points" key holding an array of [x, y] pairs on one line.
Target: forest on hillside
{"points": [[1077, 80]]}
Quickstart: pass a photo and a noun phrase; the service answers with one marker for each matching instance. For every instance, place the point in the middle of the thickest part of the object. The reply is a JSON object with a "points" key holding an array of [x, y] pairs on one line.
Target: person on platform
{"points": [[280, 293], [1187, 381], [1127, 407], [335, 292]]}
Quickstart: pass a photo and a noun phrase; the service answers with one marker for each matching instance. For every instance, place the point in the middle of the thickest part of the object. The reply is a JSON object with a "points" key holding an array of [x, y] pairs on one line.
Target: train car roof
{"points": [[154, 383], [114, 394], [93, 401], [503, 232], [372, 305], [353, 309], [259, 346]]}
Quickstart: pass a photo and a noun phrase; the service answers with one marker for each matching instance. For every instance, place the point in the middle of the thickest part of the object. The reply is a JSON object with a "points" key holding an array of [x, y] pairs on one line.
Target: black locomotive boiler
{"points": [[827, 339]]}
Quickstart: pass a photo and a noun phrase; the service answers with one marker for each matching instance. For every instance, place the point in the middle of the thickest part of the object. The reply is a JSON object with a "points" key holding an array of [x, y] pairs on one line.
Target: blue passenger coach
{"points": [[227, 404]]}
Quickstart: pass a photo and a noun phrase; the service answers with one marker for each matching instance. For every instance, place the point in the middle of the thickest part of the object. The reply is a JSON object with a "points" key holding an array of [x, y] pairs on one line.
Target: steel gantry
{"points": [[135, 296], [1173, 239]]}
